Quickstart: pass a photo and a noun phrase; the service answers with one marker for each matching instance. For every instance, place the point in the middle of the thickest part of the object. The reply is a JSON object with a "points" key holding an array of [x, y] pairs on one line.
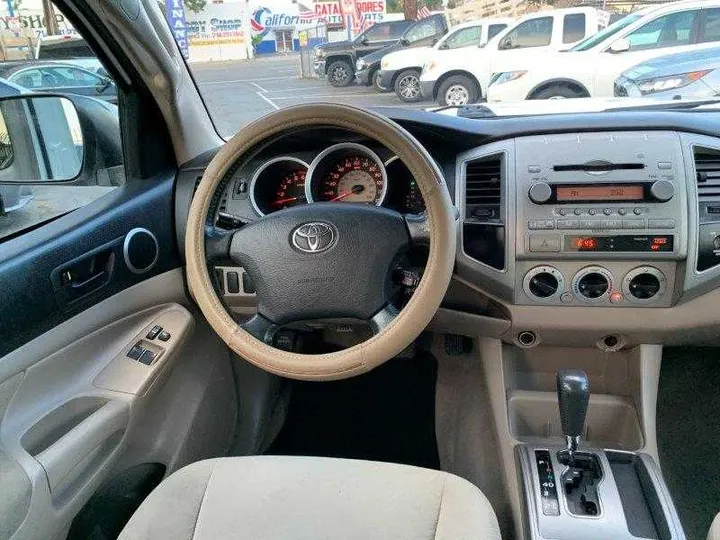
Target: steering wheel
{"points": [[323, 260]]}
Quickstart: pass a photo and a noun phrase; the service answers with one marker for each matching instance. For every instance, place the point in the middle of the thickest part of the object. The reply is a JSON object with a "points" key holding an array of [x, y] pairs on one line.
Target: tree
{"points": [[395, 6], [196, 6]]}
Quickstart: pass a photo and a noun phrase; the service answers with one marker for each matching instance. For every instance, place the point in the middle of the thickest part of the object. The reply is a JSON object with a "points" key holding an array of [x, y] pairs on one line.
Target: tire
{"points": [[557, 91], [340, 73], [407, 86], [457, 90], [375, 81]]}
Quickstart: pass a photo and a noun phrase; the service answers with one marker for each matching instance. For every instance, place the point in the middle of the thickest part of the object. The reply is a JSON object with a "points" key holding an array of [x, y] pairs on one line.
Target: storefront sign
{"points": [[368, 10], [175, 14], [218, 32]]}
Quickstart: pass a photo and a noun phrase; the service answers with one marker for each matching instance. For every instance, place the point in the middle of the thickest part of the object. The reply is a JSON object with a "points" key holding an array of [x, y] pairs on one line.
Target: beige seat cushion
{"points": [[304, 498], [714, 533]]}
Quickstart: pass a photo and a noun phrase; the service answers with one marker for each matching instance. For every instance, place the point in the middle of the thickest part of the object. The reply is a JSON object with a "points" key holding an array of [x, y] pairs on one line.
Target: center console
{"points": [[579, 491]]}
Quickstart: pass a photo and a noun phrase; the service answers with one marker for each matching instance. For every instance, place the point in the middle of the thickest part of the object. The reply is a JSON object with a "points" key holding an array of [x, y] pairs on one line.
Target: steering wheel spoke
{"points": [[383, 318], [217, 246], [260, 328], [418, 229]]}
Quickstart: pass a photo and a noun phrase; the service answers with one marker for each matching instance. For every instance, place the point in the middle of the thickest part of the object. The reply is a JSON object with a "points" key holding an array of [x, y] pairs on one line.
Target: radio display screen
{"points": [[626, 243], [602, 192]]}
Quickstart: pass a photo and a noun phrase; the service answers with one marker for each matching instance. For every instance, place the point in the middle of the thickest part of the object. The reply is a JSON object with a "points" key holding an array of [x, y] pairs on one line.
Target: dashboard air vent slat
{"points": [[707, 169], [483, 189]]}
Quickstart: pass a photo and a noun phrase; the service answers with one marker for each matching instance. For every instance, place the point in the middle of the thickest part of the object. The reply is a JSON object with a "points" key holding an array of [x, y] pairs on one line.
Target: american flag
{"points": [[310, 16], [423, 12]]}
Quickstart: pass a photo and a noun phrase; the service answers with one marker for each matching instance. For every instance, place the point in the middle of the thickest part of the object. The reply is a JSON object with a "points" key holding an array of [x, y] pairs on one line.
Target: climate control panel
{"points": [[610, 284]]}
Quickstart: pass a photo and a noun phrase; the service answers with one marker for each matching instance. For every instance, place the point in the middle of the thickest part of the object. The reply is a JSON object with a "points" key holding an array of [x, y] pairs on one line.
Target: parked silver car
{"points": [[687, 75]]}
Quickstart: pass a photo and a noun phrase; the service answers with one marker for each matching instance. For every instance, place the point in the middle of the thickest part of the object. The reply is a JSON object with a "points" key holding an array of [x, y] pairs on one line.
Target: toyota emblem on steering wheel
{"points": [[314, 237]]}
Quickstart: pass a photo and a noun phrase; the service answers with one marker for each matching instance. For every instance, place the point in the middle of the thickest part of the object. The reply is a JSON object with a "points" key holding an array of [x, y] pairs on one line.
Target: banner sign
{"points": [[35, 24], [175, 14], [369, 10]]}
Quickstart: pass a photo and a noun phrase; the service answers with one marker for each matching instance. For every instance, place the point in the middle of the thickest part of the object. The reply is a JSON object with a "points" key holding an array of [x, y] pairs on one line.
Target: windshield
{"points": [[602, 35], [251, 58]]}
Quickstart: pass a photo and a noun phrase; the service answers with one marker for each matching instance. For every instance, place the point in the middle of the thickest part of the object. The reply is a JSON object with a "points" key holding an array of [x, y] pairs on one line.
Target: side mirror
{"points": [[505, 43], [434, 41], [40, 139], [620, 46], [443, 46], [364, 40], [404, 42], [103, 85]]}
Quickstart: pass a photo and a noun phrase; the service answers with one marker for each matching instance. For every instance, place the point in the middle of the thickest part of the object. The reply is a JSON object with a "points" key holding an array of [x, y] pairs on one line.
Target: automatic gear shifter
{"points": [[573, 395]]}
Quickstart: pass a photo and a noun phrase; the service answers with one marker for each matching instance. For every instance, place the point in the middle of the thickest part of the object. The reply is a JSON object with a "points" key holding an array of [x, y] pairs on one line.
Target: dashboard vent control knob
{"points": [[662, 190], [543, 285], [540, 192], [644, 286], [593, 285]]}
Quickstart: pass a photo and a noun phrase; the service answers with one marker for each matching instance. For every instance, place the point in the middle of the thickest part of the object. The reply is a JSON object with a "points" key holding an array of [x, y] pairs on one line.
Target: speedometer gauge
{"points": [[347, 172], [278, 184]]}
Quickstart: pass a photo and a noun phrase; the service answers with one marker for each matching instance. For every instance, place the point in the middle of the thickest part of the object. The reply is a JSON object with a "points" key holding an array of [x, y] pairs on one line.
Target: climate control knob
{"points": [[540, 192], [592, 284], [543, 283], [644, 284], [662, 190]]}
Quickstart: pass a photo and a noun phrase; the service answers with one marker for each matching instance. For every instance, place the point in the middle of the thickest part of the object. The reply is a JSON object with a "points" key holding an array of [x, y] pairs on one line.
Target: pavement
{"points": [[237, 92]]}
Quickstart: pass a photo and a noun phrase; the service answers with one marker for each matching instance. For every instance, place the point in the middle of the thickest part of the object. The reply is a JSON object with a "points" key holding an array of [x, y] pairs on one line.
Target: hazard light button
{"points": [[544, 242]]}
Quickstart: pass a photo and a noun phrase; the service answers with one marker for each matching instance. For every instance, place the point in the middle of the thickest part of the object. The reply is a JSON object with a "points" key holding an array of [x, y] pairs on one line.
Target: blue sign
{"points": [[175, 14]]}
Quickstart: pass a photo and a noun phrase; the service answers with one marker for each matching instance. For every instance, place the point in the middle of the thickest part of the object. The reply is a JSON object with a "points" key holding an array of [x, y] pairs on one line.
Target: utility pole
{"points": [[51, 26]]}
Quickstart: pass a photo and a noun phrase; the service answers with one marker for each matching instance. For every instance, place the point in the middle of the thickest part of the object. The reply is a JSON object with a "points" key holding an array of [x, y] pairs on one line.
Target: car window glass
{"points": [[606, 33], [495, 29], [45, 171], [379, 32], [710, 30], [532, 33], [421, 30], [573, 27], [464, 38], [397, 29], [669, 30]]}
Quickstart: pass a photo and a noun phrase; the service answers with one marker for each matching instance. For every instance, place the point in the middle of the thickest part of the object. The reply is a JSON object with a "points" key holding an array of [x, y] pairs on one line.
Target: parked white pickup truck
{"points": [[400, 70], [463, 77], [591, 67]]}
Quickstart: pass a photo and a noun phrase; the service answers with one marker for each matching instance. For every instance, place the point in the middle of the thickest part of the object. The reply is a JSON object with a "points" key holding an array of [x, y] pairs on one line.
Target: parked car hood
{"points": [[336, 45], [377, 55], [673, 64], [407, 57]]}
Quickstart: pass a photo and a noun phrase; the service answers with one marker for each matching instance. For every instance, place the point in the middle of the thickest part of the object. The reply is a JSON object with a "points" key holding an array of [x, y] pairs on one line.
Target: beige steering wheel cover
{"points": [[409, 322]]}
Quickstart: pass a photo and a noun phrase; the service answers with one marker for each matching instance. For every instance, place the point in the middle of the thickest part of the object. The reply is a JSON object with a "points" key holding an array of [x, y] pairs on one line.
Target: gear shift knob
{"points": [[573, 396]]}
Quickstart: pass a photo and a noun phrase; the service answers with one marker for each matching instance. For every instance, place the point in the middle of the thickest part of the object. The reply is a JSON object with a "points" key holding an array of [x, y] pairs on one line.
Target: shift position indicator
{"points": [[548, 486]]}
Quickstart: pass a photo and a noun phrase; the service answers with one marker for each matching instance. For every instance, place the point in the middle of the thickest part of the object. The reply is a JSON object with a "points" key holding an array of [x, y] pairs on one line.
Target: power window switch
{"points": [[136, 351], [147, 357], [164, 336], [154, 331]]}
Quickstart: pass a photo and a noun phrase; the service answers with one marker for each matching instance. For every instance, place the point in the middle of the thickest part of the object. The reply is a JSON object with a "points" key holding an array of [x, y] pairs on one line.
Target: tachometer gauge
{"points": [[347, 172], [277, 184]]}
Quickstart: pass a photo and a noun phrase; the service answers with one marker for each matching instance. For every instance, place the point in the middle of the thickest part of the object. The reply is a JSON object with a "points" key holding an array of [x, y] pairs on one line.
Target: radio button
{"points": [[578, 211], [633, 223], [607, 211], [563, 211], [544, 243], [568, 224], [661, 223], [613, 224], [664, 165], [638, 211], [592, 211], [622, 211], [540, 192], [534, 169], [662, 190], [541, 224]]}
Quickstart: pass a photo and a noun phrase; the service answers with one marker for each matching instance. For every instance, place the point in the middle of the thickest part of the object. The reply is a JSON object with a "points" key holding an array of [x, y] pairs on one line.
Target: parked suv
{"points": [[424, 33], [463, 77], [400, 70], [337, 59], [590, 68]]}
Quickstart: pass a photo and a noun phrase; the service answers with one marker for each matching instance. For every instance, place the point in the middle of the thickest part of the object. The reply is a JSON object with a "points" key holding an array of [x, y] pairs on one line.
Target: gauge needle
{"points": [[283, 201], [354, 191]]}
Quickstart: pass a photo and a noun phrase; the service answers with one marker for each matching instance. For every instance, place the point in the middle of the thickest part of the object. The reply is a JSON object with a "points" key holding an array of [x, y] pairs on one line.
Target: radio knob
{"points": [[662, 190], [540, 192]]}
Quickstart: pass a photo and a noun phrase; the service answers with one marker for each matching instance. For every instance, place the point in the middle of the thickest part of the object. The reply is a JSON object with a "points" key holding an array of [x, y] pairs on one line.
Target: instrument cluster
{"points": [[345, 172]]}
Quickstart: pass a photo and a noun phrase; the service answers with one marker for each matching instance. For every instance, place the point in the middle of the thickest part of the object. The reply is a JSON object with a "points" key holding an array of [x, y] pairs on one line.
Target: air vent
{"points": [[483, 187], [707, 169]]}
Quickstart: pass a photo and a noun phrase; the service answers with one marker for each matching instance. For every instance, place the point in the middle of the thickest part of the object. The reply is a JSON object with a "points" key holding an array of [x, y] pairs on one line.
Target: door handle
{"points": [[83, 275]]}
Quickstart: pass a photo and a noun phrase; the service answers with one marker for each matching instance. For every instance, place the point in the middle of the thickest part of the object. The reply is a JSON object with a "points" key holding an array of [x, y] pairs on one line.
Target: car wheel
{"points": [[340, 73], [458, 90], [557, 91], [407, 86]]}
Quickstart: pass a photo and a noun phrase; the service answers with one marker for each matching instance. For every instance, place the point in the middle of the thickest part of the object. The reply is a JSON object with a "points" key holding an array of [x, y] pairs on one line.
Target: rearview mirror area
{"points": [[40, 139]]}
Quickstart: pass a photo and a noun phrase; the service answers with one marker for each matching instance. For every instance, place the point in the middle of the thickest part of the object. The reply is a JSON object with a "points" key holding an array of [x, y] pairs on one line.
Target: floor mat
{"points": [[688, 425], [385, 415]]}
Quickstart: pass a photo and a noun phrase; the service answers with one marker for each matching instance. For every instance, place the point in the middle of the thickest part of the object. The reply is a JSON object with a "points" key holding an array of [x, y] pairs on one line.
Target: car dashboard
{"points": [[573, 230]]}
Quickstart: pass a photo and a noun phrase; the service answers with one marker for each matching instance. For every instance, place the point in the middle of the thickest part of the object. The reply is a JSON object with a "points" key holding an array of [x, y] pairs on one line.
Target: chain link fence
{"points": [[309, 39]]}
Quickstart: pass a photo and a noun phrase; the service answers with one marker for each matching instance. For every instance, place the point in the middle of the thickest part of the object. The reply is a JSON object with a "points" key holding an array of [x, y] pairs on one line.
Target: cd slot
{"points": [[599, 167]]}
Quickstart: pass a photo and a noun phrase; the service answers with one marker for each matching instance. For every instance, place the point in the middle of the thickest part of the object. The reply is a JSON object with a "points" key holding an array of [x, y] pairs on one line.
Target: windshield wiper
{"points": [[665, 106]]}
